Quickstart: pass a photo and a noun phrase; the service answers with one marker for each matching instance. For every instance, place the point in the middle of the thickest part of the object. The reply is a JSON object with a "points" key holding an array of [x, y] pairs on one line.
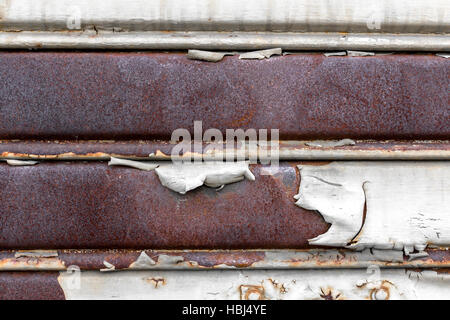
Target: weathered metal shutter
{"points": [[346, 198]]}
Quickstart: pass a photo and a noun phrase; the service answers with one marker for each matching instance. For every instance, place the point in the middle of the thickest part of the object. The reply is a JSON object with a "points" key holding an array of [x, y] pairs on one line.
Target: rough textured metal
{"points": [[30, 286], [147, 96], [161, 150], [172, 40], [90, 205]]}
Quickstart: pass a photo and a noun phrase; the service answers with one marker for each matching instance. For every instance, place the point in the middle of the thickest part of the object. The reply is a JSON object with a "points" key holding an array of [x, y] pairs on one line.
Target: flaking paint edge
{"points": [[407, 204]]}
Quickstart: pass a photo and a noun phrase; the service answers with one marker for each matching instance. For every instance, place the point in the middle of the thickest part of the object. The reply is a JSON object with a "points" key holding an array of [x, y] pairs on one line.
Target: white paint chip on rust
{"points": [[142, 262], [331, 143], [261, 54], [36, 253], [373, 283], [407, 203], [165, 259], [207, 55], [443, 55], [147, 166], [332, 54], [109, 267], [14, 162], [418, 255], [182, 177]]}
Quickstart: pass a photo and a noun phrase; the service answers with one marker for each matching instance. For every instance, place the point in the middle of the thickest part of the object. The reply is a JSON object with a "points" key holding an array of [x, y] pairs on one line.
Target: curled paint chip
{"points": [[261, 54], [147, 166], [332, 54], [142, 262], [331, 143], [209, 56], [14, 162], [351, 53], [36, 253], [109, 267], [182, 177]]}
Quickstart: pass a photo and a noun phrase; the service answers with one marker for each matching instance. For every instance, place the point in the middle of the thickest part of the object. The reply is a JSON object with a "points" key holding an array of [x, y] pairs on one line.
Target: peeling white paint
{"points": [[147, 166], [36, 253], [109, 267], [184, 176], [259, 284], [14, 162], [332, 54], [331, 143], [351, 53], [408, 203], [143, 262], [261, 54], [443, 55]]}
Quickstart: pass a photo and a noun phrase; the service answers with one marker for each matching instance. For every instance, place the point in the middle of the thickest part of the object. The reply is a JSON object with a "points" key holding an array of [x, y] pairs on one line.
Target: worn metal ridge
{"points": [[218, 259], [162, 150], [133, 96]]}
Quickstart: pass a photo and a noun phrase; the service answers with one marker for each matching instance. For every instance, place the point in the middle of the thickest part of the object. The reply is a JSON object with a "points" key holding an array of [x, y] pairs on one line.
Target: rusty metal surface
{"points": [[30, 286], [288, 150], [148, 95], [85, 205], [216, 259]]}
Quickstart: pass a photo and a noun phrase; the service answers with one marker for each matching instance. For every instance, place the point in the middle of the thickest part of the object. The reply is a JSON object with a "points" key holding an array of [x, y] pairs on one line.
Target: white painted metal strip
{"points": [[394, 16], [407, 204], [372, 283]]}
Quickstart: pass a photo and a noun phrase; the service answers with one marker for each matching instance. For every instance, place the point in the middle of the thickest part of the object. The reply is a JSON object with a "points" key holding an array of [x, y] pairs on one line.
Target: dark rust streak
{"points": [[148, 95]]}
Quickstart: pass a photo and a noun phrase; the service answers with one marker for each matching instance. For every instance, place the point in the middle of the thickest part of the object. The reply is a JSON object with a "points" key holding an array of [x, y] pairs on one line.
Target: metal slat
{"points": [[148, 96]]}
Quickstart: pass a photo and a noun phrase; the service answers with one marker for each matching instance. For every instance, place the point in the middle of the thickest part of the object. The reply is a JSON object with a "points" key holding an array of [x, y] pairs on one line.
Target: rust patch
{"points": [[157, 282], [149, 95], [251, 292]]}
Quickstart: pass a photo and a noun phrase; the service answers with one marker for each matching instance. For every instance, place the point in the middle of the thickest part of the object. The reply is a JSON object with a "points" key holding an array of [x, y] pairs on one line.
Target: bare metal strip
{"points": [[285, 154], [223, 41]]}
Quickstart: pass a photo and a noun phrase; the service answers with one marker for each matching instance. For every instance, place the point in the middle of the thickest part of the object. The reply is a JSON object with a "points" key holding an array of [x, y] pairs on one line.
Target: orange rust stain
{"points": [[157, 282], [248, 290], [328, 294]]}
